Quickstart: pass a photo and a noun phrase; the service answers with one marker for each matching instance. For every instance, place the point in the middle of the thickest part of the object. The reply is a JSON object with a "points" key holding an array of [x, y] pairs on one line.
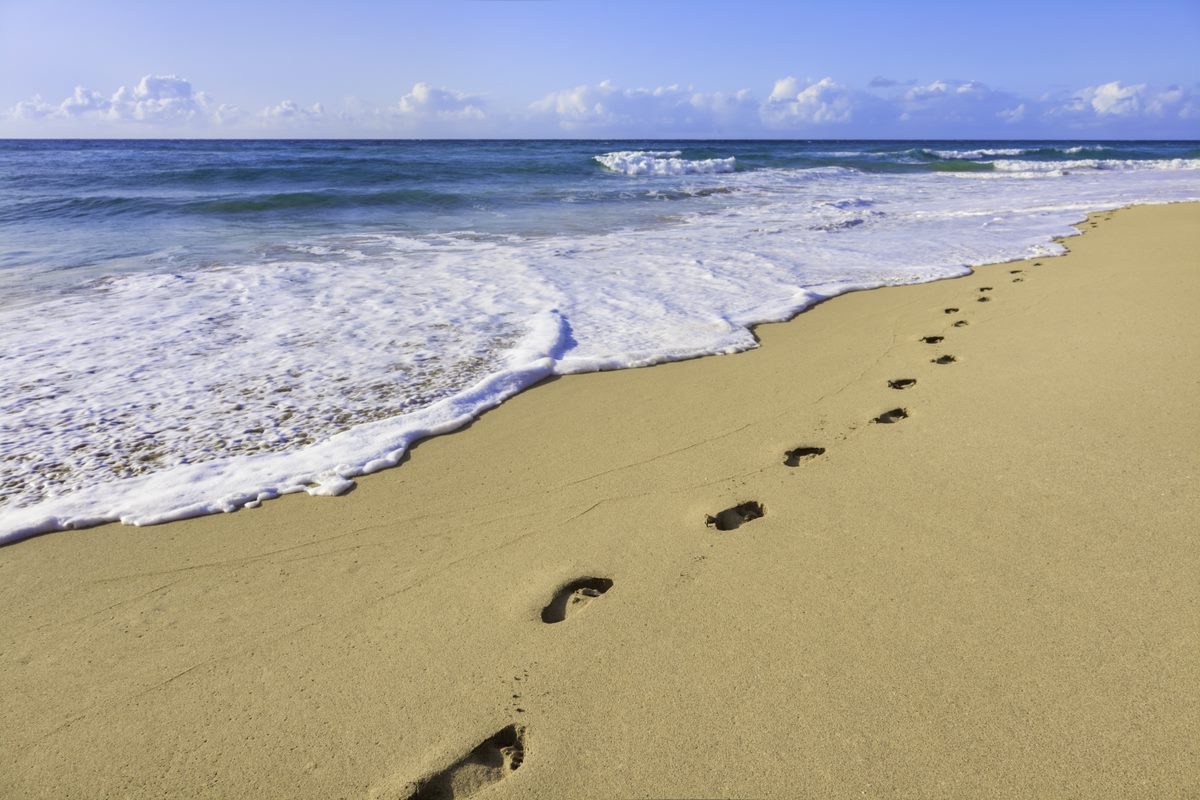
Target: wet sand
{"points": [[985, 585]]}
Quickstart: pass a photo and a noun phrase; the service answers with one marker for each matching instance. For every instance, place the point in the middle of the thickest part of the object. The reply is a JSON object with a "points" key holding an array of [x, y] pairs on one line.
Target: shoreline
{"points": [[427, 423], [968, 599]]}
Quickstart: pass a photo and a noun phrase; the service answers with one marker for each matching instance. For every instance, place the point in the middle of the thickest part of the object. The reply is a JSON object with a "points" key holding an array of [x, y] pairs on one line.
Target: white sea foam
{"points": [[992, 152], [663, 162], [146, 397], [981, 153], [1118, 165]]}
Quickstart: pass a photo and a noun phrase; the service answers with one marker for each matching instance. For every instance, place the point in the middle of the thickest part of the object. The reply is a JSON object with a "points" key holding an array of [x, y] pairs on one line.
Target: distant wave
{"points": [[993, 152], [662, 162], [981, 153], [1057, 167]]}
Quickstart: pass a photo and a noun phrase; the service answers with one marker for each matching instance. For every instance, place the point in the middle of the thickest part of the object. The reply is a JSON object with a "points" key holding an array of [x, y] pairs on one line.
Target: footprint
{"points": [[962, 323], [902, 383], [732, 518], [984, 299], [985, 288], [570, 598], [932, 339], [888, 417], [1018, 280], [944, 360], [1015, 271], [491, 762], [1037, 263], [793, 457], [950, 310]]}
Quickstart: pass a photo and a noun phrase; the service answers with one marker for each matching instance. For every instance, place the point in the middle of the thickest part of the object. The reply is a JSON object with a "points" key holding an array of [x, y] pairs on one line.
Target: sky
{"points": [[579, 69]]}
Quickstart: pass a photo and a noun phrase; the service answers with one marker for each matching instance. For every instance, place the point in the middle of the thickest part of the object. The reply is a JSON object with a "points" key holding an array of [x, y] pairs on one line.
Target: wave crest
{"points": [[662, 162]]}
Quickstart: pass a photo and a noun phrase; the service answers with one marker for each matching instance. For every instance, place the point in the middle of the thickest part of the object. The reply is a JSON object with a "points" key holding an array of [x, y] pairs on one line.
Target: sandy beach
{"points": [[978, 582]]}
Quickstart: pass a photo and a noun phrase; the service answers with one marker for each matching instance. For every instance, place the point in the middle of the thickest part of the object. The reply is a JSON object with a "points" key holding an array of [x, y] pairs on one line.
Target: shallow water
{"points": [[191, 326]]}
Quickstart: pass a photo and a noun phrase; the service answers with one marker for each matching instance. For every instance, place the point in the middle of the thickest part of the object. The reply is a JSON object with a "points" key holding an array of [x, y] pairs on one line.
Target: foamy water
{"points": [[663, 162], [318, 344]]}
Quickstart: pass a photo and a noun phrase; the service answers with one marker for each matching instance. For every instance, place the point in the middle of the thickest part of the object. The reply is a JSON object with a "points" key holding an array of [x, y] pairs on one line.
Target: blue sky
{"points": [[583, 69]]}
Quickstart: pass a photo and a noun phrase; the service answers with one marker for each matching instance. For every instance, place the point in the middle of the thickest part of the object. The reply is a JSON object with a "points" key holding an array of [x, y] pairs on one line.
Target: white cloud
{"points": [[825, 102], [1175, 101], [171, 102], [1113, 98], [1127, 109], [33, 108], [885, 108], [672, 110], [84, 101], [155, 99], [227, 114], [446, 104], [935, 89], [1012, 115], [164, 99], [951, 107], [288, 112]]}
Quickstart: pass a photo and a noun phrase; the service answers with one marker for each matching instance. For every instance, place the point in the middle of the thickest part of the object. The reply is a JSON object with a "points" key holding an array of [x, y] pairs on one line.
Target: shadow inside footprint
{"points": [[985, 288], [962, 323], [888, 417], [944, 360], [732, 518], [491, 762], [1018, 280], [984, 299], [576, 593], [902, 383], [932, 339], [950, 310], [793, 457], [1015, 271]]}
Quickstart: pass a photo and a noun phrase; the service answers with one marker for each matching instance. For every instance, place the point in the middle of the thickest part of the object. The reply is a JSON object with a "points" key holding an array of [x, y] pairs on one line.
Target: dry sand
{"points": [[997, 596]]}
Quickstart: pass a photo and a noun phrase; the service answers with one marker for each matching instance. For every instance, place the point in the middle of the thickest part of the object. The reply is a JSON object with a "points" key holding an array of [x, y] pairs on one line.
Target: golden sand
{"points": [[991, 591]]}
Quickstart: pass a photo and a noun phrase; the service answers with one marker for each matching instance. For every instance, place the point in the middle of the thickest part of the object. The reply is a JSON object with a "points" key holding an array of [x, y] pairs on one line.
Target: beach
{"points": [[983, 584]]}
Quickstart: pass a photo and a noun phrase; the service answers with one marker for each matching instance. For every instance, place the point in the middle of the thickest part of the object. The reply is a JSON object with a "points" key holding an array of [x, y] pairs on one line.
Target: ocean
{"points": [[189, 327]]}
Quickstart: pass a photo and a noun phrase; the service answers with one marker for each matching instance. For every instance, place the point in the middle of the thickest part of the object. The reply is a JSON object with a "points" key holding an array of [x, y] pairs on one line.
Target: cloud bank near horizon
{"points": [[169, 105]]}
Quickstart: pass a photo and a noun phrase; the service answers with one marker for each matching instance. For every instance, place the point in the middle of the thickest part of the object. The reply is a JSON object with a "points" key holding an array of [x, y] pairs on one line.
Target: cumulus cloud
{"points": [[1111, 99], [227, 114], [288, 112], [967, 106], [162, 99], [172, 103], [1125, 109], [1175, 101], [1012, 115], [446, 104], [155, 99], [31, 109], [826, 107], [823, 103], [672, 110], [85, 101], [952, 107]]}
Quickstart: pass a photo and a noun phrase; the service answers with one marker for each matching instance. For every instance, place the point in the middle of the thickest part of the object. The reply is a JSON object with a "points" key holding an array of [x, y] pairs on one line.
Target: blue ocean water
{"points": [[191, 326]]}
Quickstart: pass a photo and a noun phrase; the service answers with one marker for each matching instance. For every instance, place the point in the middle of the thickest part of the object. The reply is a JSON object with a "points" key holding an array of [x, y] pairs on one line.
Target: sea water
{"points": [[189, 327]]}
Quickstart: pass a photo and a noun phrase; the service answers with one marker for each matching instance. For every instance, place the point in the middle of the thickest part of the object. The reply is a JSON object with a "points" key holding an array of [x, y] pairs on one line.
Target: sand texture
{"points": [[985, 583]]}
